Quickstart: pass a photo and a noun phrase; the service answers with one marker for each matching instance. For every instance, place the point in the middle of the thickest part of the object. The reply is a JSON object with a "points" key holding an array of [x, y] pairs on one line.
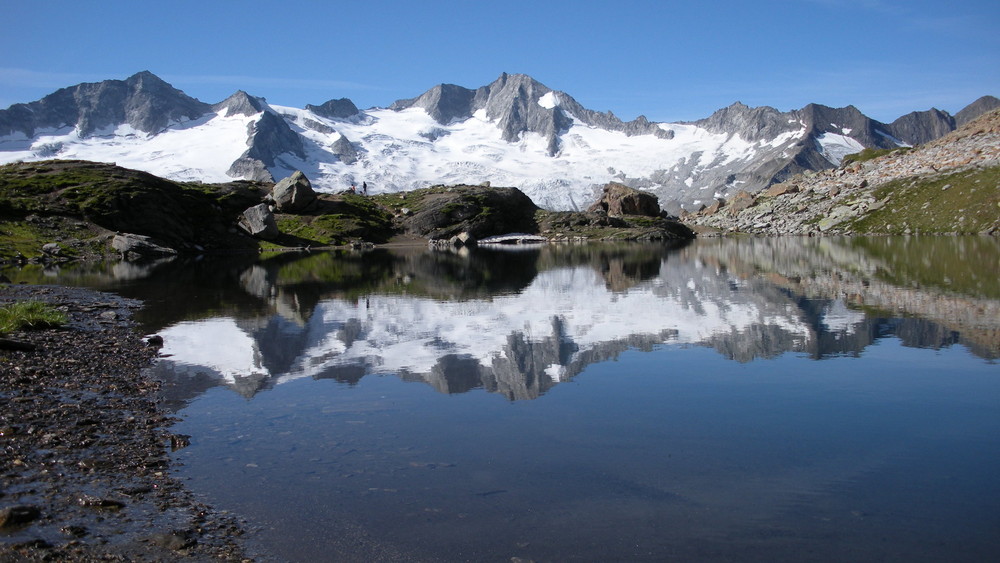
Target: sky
{"points": [[668, 60]]}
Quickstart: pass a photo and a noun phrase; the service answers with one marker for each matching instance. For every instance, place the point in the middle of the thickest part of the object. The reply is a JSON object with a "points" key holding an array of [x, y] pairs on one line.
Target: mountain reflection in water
{"points": [[518, 323]]}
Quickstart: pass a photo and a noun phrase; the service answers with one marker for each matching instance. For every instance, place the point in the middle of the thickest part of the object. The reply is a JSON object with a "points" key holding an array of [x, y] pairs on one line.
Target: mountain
{"points": [[142, 101], [514, 131], [936, 188]]}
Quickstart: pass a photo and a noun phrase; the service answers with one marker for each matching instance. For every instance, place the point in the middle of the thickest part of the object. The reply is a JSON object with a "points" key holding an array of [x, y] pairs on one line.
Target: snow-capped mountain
{"points": [[512, 132]]}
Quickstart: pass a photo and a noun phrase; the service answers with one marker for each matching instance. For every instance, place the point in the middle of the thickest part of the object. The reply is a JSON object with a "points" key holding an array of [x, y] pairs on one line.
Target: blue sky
{"points": [[667, 60]]}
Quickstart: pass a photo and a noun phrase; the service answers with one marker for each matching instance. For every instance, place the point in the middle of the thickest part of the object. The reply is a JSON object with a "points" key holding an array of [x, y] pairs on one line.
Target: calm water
{"points": [[760, 399]]}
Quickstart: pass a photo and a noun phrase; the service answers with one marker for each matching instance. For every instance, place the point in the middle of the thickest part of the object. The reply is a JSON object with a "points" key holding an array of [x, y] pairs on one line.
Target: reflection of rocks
{"points": [[845, 269], [123, 270], [526, 369], [522, 371]]}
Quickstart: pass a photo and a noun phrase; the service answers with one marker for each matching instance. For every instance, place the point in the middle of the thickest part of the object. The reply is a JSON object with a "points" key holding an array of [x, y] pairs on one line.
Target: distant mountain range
{"points": [[513, 132]]}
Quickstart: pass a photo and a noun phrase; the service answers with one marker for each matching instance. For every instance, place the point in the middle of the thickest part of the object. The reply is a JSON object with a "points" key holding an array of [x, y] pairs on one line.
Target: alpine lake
{"points": [[731, 399]]}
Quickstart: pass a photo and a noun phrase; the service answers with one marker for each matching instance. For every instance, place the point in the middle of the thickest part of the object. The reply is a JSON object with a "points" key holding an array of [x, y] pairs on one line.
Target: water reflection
{"points": [[519, 323]]}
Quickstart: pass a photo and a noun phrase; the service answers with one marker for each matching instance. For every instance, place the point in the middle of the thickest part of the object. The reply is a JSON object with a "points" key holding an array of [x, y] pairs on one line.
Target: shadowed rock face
{"points": [[143, 101], [975, 109], [922, 126], [268, 137]]}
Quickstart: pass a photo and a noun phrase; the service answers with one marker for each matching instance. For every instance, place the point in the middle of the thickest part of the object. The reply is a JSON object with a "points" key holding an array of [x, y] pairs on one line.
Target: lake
{"points": [[753, 399]]}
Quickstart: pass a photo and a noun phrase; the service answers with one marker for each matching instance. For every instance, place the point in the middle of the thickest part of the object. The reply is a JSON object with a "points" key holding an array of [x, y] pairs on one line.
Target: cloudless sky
{"points": [[668, 60]]}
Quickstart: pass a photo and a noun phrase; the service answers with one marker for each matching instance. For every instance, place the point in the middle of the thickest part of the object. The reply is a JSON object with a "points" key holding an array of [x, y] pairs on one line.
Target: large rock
{"points": [[259, 222], [619, 200], [479, 211], [133, 246], [294, 194]]}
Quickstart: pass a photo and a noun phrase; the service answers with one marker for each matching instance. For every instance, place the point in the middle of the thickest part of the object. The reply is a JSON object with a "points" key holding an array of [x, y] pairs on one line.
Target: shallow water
{"points": [[756, 399]]}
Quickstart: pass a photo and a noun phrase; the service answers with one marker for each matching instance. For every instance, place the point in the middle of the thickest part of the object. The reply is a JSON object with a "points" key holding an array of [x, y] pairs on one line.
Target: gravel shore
{"points": [[85, 469]]}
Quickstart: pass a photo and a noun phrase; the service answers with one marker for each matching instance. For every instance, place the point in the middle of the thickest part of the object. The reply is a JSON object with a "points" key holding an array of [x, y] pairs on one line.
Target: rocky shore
{"points": [[85, 471]]}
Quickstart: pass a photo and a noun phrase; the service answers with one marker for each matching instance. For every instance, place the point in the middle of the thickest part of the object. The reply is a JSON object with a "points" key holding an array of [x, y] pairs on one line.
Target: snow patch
{"points": [[835, 147], [549, 100]]}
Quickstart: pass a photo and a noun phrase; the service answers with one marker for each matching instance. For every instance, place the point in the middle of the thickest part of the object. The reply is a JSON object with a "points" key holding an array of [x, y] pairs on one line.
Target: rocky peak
{"points": [[241, 103], [848, 121], [444, 102], [143, 101], [518, 103], [975, 109], [515, 103], [919, 127], [335, 109], [751, 124]]}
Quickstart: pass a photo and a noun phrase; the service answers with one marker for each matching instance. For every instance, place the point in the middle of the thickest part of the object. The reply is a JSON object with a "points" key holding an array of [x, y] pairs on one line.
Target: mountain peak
{"points": [[143, 101], [241, 103], [444, 102], [335, 109], [975, 109]]}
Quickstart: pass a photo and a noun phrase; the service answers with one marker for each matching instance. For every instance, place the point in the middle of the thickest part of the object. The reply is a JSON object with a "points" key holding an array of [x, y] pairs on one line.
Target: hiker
{"points": [[353, 189], [364, 188]]}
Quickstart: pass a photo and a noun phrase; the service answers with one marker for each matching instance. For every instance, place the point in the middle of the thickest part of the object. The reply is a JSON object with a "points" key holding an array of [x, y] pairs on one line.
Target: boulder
{"points": [[742, 200], [781, 189], [259, 222], [293, 194], [480, 212], [133, 246], [619, 199]]}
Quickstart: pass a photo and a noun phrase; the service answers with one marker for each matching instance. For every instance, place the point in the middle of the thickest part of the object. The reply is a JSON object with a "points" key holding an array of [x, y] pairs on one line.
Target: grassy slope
{"points": [[967, 201]]}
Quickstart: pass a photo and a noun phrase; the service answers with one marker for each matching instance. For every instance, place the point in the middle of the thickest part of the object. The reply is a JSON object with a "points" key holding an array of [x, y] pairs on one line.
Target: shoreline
{"points": [[85, 473]]}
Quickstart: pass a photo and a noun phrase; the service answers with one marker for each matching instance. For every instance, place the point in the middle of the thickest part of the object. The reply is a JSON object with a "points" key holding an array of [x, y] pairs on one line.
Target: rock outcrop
{"points": [[293, 194], [258, 221], [619, 199], [335, 109], [481, 212]]}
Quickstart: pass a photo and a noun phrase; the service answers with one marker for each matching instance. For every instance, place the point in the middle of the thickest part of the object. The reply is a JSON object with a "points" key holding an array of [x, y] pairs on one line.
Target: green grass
{"points": [[29, 315], [964, 202]]}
